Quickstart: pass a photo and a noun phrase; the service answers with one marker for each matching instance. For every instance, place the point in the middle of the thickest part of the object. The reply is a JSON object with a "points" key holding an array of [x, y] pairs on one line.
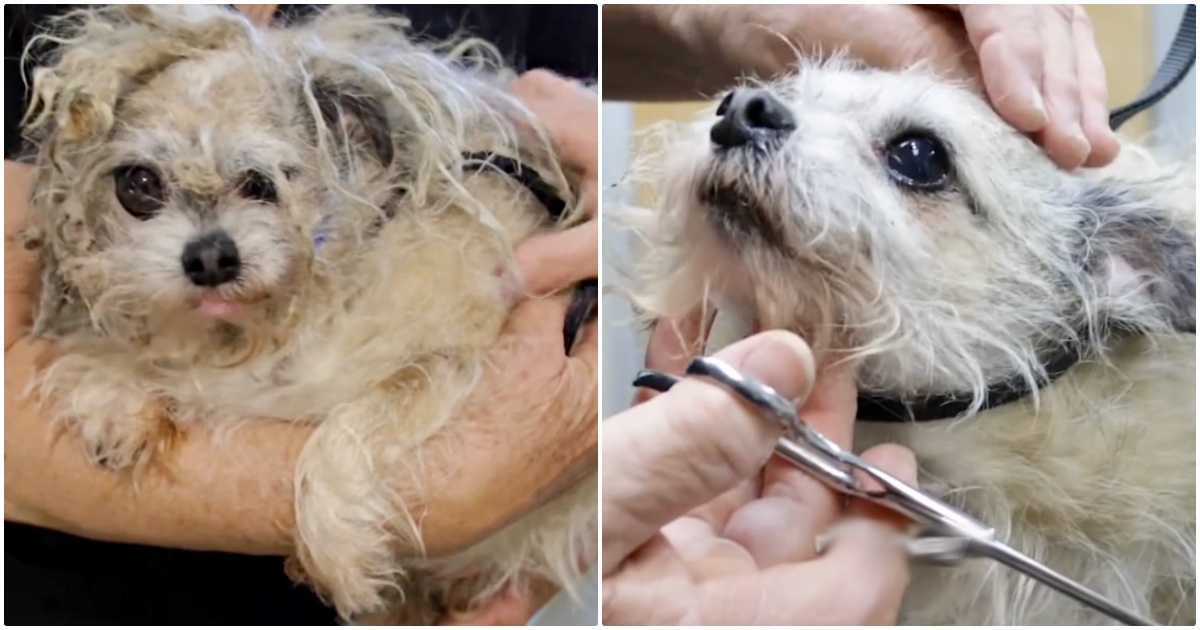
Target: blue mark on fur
{"points": [[322, 232]]}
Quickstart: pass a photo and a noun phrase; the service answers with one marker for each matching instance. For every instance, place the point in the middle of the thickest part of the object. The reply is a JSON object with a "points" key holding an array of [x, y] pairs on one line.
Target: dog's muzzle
{"points": [[751, 117]]}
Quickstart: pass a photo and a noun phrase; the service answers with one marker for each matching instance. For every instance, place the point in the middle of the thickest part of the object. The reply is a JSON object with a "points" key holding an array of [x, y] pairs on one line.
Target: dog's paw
{"points": [[124, 443], [117, 448]]}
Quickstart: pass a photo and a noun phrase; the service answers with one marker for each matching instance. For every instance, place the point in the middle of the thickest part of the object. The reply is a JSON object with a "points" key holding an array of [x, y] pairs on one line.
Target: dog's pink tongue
{"points": [[215, 307]]}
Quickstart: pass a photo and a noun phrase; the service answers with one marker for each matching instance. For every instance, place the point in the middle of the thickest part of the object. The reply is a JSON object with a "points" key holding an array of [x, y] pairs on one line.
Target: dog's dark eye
{"points": [[918, 161], [139, 190], [258, 187]]}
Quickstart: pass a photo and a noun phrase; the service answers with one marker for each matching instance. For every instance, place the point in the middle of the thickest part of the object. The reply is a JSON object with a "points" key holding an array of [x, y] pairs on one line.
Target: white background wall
{"points": [[623, 347], [1175, 116]]}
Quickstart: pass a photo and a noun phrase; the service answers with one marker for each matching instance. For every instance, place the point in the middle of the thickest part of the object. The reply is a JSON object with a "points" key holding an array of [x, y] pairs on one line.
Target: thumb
{"points": [[691, 444]]}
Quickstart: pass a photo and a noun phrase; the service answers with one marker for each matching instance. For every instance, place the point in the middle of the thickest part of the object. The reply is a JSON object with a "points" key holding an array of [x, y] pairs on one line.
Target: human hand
{"points": [[550, 262], [698, 531], [570, 114], [1038, 64], [1044, 75]]}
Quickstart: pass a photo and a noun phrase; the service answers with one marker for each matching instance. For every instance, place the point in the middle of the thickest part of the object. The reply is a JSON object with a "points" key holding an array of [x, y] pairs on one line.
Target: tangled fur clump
{"points": [[331, 154], [954, 287]]}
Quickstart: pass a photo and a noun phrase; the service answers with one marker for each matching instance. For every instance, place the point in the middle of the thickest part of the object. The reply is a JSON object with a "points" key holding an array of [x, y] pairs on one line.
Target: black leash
{"points": [[585, 298], [1181, 56]]}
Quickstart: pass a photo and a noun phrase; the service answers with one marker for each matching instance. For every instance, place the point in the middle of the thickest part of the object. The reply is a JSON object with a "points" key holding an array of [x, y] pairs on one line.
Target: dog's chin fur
{"points": [[368, 298], [949, 292]]}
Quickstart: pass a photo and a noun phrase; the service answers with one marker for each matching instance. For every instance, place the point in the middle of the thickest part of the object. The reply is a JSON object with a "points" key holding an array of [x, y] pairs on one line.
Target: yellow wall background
{"points": [[1122, 34]]}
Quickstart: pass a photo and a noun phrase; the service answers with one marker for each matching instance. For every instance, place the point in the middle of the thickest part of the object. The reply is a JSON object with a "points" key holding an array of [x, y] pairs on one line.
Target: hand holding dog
{"points": [[694, 533], [570, 115], [1044, 75]]}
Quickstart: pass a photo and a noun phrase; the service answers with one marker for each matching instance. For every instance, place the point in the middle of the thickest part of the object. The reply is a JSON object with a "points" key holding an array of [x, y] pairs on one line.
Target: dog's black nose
{"points": [[211, 260], [747, 114]]}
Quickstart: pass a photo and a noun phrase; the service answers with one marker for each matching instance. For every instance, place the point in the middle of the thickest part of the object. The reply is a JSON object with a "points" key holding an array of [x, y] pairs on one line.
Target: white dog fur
{"points": [[949, 291], [342, 133]]}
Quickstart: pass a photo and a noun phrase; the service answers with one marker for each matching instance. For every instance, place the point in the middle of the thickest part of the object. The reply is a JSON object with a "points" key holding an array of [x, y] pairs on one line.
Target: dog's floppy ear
{"points": [[354, 118], [1143, 260]]}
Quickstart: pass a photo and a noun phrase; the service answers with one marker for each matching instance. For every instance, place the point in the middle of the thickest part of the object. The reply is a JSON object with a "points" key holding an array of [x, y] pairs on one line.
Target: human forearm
{"points": [[233, 497], [237, 495], [20, 283], [678, 52]]}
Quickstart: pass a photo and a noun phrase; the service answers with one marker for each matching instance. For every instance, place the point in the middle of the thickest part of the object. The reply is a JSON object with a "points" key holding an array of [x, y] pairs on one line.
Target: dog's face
{"points": [[198, 202], [898, 218]]}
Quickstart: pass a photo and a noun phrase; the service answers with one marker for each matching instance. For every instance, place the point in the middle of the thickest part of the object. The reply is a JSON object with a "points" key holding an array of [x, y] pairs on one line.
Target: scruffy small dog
{"points": [[302, 223], [894, 220]]}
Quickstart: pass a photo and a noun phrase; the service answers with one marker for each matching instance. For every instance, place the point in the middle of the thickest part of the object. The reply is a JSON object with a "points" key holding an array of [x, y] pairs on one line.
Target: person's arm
{"points": [[237, 496], [683, 52]]}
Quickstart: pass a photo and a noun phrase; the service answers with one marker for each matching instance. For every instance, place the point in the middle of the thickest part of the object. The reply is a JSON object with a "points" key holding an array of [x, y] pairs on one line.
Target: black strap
{"points": [[527, 177], [884, 409], [1179, 60]]}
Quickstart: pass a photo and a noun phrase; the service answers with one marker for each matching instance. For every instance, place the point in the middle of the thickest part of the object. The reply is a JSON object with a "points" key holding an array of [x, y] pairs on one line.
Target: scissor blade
{"points": [[1017, 561]]}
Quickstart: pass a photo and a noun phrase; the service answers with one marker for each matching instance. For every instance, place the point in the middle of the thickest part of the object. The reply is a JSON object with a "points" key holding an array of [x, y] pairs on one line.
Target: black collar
{"points": [[523, 175], [943, 406]]}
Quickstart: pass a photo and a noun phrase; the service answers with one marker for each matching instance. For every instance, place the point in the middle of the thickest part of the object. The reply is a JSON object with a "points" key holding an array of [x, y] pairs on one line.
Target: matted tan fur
{"points": [[949, 290], [330, 153]]}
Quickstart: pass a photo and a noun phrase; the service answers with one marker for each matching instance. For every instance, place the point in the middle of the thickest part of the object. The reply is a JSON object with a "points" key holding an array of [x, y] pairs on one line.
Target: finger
{"points": [[1093, 89], [1063, 136], [686, 447], [867, 548], [703, 553], [783, 525], [1010, 60], [551, 262], [652, 587], [562, 107], [514, 607], [867, 555], [259, 14], [896, 460], [675, 342]]}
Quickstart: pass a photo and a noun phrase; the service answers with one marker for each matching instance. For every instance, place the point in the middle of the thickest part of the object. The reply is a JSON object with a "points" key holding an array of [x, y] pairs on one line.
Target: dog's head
{"points": [[898, 218], [192, 170]]}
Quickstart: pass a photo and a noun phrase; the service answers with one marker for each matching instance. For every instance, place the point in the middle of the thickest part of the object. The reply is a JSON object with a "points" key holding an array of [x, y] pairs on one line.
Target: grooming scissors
{"points": [[945, 534]]}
